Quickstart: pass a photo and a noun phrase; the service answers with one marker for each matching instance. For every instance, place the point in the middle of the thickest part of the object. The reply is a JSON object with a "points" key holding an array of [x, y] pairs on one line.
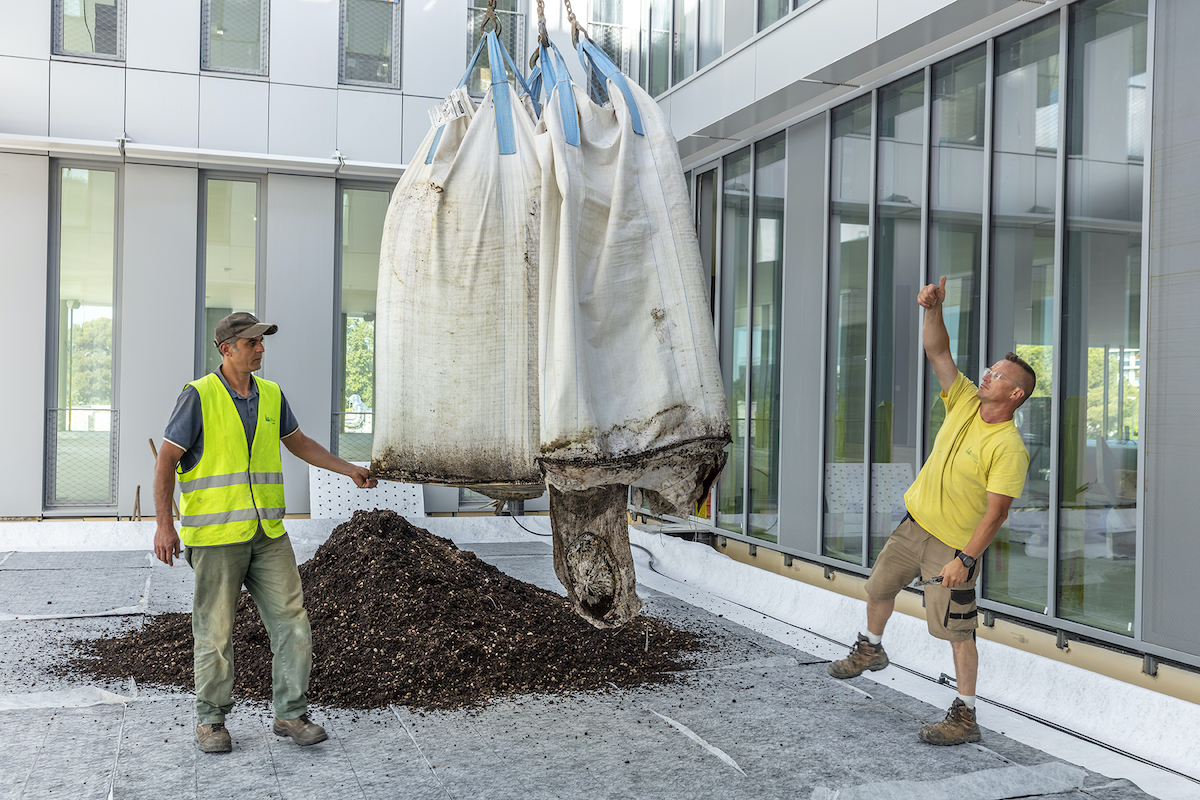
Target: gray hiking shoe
{"points": [[213, 738], [958, 727], [863, 656], [302, 730]]}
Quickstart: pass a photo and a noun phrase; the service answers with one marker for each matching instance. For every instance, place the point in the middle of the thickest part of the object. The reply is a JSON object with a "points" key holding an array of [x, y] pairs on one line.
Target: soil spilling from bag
{"points": [[401, 616]]}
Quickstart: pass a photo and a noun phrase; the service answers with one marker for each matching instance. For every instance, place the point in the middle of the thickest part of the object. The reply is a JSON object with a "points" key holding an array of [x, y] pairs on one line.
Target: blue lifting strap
{"points": [[557, 79], [604, 65]]}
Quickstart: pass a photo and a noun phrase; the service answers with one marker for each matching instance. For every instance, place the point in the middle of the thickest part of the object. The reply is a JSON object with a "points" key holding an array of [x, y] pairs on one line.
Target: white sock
{"points": [[968, 701], [872, 638]]}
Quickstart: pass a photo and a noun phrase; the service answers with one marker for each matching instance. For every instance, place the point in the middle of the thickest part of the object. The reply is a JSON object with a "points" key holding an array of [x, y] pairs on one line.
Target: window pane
{"points": [[898, 361], [512, 36], [686, 32], [712, 30], [770, 178], [91, 26], [656, 47], [368, 41], [846, 382], [235, 29], [1024, 169], [363, 211], [735, 265], [956, 214], [771, 11], [1102, 313], [82, 426], [614, 28], [707, 212], [230, 256]]}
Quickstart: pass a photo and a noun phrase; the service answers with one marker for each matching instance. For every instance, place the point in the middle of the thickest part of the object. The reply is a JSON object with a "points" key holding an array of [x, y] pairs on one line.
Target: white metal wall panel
{"points": [[299, 299], [158, 309], [24, 96], [813, 38], [1171, 362], [369, 125], [303, 121], [801, 359], [740, 17], [233, 114], [24, 222], [894, 16], [434, 52], [714, 94], [25, 29], [162, 108], [163, 35], [416, 125], [87, 101], [304, 42]]}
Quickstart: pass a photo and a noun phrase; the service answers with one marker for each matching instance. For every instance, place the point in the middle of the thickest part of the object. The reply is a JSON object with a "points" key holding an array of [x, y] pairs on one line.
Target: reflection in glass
{"points": [[1102, 279], [957, 166], [770, 178], [90, 26], [898, 362], [1024, 169], [771, 11], [230, 256], [363, 211], [656, 47], [368, 53], [712, 30], [686, 34], [735, 269], [845, 428], [83, 423], [707, 212], [234, 35]]}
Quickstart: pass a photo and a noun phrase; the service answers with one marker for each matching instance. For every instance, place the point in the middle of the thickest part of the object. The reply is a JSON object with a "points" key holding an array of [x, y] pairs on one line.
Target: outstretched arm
{"points": [[934, 335], [306, 449]]}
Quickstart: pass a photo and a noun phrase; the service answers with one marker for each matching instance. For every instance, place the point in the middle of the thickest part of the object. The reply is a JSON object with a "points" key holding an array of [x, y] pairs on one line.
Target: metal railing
{"points": [[81, 457]]}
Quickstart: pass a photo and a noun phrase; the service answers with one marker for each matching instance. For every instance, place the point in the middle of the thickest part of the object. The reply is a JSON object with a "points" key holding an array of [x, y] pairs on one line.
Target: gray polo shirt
{"points": [[185, 429]]}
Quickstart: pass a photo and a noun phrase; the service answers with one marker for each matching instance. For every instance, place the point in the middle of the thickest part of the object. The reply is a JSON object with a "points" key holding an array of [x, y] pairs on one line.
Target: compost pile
{"points": [[401, 616]]}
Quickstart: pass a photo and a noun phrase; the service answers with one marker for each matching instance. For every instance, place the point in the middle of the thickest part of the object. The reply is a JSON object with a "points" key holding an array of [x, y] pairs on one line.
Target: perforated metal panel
{"points": [[333, 495]]}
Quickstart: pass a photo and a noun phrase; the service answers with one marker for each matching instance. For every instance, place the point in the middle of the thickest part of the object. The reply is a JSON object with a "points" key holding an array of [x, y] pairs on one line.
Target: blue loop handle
{"points": [[556, 78], [589, 52]]}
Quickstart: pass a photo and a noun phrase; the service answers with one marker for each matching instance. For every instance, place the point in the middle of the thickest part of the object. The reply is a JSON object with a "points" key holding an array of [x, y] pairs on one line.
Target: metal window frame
{"points": [[260, 252], [264, 50], [339, 348], [397, 41], [53, 290], [58, 27]]}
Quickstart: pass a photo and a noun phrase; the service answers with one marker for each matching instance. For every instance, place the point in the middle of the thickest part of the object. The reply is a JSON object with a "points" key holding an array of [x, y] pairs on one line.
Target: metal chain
{"points": [[576, 28], [490, 16], [543, 35]]}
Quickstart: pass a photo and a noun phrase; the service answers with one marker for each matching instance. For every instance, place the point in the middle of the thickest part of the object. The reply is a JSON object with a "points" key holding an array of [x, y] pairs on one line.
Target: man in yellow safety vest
{"points": [[223, 441]]}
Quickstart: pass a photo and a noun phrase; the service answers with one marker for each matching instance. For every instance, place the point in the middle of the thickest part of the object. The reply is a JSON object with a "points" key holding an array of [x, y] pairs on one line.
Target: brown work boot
{"points": [[958, 727], [213, 738], [302, 730], [863, 656]]}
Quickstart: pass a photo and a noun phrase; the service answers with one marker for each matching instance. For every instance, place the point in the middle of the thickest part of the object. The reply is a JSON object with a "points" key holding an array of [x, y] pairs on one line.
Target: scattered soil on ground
{"points": [[401, 616]]}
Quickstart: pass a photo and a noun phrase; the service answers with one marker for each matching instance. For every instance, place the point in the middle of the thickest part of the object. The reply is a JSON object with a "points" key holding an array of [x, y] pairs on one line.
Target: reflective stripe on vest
{"points": [[233, 489]]}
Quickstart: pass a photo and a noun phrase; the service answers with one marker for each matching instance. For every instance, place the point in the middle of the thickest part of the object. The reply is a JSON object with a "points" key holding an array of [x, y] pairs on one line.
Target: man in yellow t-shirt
{"points": [[955, 507]]}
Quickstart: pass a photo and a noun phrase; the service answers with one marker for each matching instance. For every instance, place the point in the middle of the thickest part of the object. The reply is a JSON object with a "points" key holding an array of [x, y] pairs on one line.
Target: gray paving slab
{"points": [[99, 559], [70, 591], [753, 719]]}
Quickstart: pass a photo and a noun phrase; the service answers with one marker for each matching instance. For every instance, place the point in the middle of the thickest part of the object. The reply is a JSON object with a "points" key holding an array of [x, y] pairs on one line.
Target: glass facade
{"points": [[230, 257], [90, 28], [361, 232], [234, 36], [1014, 169], [81, 424]]}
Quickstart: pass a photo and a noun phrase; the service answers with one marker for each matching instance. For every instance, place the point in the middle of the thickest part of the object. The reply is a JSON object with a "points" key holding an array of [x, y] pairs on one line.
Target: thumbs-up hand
{"points": [[933, 295]]}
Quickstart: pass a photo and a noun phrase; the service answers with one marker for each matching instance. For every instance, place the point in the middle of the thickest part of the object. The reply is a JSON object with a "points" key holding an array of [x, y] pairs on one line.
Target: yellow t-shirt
{"points": [[970, 458]]}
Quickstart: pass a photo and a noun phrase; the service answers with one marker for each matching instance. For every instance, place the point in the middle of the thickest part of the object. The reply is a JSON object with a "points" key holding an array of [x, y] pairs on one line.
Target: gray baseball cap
{"points": [[243, 325]]}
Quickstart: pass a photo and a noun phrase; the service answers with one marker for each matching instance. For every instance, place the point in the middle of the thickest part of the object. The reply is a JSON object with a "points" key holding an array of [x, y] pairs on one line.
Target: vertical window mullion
{"points": [[827, 189], [869, 387], [747, 398], [926, 150]]}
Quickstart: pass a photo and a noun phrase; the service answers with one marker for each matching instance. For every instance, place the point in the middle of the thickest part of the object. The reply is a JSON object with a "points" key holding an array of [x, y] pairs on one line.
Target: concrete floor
{"points": [[756, 719]]}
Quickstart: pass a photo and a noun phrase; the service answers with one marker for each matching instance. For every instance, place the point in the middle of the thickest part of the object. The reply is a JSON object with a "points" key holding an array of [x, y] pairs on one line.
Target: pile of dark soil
{"points": [[400, 616]]}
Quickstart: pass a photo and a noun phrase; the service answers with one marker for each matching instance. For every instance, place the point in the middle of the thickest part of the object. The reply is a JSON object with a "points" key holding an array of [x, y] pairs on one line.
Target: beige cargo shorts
{"points": [[912, 552]]}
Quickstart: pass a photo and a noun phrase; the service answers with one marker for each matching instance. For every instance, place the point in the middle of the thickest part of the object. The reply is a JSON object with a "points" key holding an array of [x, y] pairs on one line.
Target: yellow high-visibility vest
{"points": [[233, 488]]}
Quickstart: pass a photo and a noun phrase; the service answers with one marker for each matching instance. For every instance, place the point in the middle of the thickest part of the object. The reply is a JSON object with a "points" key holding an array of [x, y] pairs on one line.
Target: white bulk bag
{"points": [[631, 388], [456, 330]]}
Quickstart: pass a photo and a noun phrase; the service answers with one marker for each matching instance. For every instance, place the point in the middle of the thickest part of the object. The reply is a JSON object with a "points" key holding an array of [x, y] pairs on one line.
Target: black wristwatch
{"points": [[967, 561]]}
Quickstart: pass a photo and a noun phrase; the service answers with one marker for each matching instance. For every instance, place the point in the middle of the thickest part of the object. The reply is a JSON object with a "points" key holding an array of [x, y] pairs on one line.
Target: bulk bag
{"points": [[456, 331], [631, 391]]}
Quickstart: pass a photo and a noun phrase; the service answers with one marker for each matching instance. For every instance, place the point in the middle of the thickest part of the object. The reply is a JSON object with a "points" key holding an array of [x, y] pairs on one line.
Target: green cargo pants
{"points": [[267, 567]]}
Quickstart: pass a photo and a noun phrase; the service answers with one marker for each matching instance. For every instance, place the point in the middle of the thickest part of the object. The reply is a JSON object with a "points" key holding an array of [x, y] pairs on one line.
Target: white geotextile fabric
{"points": [[628, 356], [456, 333]]}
